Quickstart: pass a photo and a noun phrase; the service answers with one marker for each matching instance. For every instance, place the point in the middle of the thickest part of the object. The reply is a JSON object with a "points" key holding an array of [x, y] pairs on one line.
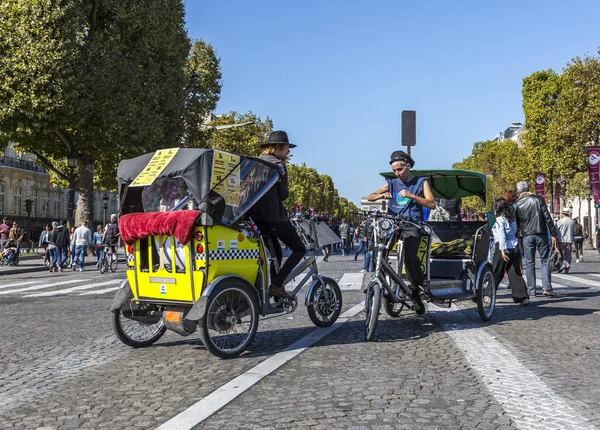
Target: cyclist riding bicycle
{"points": [[408, 196], [271, 217], [112, 234]]}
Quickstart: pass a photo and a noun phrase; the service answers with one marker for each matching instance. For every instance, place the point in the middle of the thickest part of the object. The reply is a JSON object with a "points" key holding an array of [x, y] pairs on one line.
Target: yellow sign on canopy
{"points": [[225, 176], [157, 164]]}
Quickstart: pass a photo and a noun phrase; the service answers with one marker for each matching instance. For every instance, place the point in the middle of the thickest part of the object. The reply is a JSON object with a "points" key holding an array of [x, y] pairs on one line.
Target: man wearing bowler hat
{"points": [[271, 217], [407, 195]]}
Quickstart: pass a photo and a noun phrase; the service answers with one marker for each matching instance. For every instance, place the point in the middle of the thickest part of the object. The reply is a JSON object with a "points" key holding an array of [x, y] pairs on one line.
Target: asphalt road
{"points": [[62, 367]]}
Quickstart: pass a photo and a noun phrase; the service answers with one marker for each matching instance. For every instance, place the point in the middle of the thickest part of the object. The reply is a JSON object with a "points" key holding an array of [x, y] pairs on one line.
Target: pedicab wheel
{"points": [[135, 333], [230, 320], [325, 303], [114, 262], [486, 294], [372, 305]]}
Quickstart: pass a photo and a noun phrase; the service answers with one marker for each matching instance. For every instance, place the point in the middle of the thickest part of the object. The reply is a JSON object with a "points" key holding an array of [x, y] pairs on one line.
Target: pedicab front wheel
{"points": [[136, 333], [325, 303], [230, 320]]}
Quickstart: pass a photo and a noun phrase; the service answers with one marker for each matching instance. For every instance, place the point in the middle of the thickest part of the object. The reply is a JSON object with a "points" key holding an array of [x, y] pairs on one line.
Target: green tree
{"points": [[245, 140], [106, 79]]}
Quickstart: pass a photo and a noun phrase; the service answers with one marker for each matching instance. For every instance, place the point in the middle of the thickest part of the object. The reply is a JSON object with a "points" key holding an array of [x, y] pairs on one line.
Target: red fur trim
{"points": [[140, 225]]}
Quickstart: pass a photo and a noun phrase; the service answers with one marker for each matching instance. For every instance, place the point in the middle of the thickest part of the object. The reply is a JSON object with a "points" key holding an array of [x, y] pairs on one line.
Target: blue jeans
{"points": [[63, 254], [53, 256], [367, 263], [542, 244], [79, 258], [363, 245]]}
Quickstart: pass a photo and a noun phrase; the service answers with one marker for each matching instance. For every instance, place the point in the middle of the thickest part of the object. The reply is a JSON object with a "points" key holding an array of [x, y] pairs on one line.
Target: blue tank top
{"points": [[403, 205]]}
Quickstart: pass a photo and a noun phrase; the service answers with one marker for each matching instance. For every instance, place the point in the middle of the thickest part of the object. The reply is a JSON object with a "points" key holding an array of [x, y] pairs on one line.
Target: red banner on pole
{"points": [[593, 162], [540, 185], [557, 194]]}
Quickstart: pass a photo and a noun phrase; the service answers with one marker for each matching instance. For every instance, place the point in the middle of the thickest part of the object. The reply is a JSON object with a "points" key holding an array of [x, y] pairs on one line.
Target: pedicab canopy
{"points": [[455, 183], [222, 186]]}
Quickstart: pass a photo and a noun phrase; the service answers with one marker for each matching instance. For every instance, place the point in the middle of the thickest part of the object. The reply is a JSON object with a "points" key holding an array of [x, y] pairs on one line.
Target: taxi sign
{"points": [[157, 164]]}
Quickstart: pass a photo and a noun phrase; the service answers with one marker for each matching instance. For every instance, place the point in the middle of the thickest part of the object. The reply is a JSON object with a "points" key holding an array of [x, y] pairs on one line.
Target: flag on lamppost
{"points": [[540, 185], [593, 162], [557, 194]]}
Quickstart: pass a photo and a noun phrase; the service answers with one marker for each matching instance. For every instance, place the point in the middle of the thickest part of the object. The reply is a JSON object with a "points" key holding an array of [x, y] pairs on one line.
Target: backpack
{"points": [[555, 260]]}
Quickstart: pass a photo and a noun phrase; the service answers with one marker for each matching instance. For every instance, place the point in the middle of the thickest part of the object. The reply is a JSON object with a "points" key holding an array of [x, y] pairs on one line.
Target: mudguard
{"points": [[318, 280], [199, 307], [123, 295]]}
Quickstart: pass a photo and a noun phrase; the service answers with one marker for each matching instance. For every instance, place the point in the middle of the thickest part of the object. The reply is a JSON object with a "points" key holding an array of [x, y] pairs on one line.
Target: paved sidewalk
{"points": [[36, 264]]}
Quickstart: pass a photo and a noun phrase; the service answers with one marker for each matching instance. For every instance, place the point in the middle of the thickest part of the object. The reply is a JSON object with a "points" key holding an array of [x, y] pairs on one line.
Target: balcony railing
{"points": [[18, 163]]}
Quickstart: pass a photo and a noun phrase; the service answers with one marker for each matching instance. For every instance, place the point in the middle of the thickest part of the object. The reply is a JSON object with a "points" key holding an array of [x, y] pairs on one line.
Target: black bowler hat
{"points": [[278, 137], [402, 156]]}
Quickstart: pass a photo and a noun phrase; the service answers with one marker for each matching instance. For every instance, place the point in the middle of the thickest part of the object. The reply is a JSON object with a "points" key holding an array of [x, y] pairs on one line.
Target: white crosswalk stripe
{"points": [[41, 286], [351, 281], [73, 289], [18, 284], [105, 290]]}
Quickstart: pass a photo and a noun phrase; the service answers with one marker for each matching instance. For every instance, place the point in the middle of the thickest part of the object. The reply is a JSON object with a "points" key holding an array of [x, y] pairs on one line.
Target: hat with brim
{"points": [[402, 156], [278, 137], [566, 211]]}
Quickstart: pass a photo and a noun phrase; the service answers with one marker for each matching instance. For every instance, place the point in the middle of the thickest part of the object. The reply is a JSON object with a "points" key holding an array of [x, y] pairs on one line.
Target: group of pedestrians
{"points": [[523, 227], [60, 243]]}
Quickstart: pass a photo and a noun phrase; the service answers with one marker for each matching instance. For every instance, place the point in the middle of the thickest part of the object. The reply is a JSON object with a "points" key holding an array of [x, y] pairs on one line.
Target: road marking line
{"points": [[516, 388], [219, 398], [351, 281], [578, 279], [17, 284], [106, 290], [39, 287], [72, 289]]}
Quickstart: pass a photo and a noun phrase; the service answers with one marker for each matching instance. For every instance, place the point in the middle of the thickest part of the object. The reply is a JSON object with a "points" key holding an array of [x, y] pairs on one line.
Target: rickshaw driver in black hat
{"points": [[271, 217], [407, 196]]}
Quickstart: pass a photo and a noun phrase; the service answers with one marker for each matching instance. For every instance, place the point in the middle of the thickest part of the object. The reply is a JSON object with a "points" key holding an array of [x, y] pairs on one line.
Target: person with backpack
{"points": [[408, 196], [578, 239]]}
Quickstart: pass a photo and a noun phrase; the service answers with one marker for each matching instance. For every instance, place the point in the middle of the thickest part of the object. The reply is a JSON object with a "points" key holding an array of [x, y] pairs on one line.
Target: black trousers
{"points": [[518, 287], [285, 232], [411, 238]]}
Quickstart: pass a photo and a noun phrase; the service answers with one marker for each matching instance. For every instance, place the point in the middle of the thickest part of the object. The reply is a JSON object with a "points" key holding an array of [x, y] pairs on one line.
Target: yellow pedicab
{"points": [[194, 262]]}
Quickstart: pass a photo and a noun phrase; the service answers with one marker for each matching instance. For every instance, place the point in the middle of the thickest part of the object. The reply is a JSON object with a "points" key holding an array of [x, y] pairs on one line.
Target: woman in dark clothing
{"points": [[271, 217], [507, 256]]}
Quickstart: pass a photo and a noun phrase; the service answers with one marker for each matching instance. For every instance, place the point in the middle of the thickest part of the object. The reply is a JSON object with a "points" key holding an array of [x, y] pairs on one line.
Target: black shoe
{"points": [[419, 305], [279, 292], [355, 257]]}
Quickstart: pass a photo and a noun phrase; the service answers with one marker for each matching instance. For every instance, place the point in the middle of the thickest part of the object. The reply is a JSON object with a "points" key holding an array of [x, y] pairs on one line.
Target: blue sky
{"points": [[336, 75]]}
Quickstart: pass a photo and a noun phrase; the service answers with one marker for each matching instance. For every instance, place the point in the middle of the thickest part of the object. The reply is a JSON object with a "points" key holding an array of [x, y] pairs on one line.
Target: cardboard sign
{"points": [[157, 164], [225, 176]]}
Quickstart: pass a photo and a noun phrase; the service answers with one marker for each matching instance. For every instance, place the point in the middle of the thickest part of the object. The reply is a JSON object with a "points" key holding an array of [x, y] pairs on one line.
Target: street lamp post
{"points": [[72, 161], [588, 188], [28, 208], [104, 207]]}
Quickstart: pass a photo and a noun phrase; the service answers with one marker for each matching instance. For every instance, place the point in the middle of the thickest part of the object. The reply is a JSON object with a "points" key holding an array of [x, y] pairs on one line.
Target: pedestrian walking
{"points": [[578, 239], [507, 256], [97, 243], [82, 239], [534, 222], [43, 243], [566, 235], [364, 233], [344, 237], [61, 240], [52, 247], [4, 229]]}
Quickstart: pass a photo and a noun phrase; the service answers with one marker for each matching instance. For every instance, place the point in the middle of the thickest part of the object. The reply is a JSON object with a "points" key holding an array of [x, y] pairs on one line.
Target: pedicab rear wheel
{"points": [[325, 303], [230, 320], [134, 332], [486, 294]]}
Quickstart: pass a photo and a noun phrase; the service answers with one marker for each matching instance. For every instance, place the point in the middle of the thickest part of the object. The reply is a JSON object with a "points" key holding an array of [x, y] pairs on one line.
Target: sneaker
{"points": [[420, 306], [577, 261], [581, 259], [550, 293], [82, 269], [524, 302], [362, 270]]}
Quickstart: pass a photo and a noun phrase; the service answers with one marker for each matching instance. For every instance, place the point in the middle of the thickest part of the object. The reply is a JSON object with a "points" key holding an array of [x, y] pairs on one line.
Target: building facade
{"points": [[22, 179]]}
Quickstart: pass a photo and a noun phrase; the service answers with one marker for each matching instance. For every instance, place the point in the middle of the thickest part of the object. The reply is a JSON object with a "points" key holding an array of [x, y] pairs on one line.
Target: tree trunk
{"points": [[84, 185]]}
